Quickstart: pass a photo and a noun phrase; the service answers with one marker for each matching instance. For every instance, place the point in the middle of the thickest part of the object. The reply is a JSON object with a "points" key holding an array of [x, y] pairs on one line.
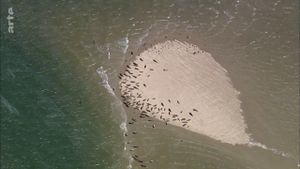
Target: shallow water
{"points": [[58, 111]]}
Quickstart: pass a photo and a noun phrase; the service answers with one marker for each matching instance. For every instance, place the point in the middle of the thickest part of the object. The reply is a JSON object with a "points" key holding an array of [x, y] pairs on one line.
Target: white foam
{"points": [[108, 51], [8, 106], [260, 145], [123, 43], [103, 75], [123, 126], [130, 162]]}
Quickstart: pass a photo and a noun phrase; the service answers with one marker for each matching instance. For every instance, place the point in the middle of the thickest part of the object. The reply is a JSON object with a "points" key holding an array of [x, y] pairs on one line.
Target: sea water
{"points": [[59, 104]]}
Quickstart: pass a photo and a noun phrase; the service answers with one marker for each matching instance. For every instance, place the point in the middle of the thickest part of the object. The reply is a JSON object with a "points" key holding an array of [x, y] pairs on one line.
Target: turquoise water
{"points": [[58, 109]]}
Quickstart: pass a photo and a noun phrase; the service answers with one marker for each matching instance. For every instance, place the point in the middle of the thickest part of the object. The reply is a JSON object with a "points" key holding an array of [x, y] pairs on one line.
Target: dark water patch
{"points": [[57, 124]]}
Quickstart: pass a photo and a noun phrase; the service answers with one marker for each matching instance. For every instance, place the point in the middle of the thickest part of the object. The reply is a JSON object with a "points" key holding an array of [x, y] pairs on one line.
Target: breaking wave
{"points": [[103, 75], [123, 43], [123, 126], [260, 145]]}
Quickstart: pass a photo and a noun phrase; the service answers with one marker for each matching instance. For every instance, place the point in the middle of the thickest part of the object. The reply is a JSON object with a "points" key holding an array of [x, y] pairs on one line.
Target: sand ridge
{"points": [[179, 84]]}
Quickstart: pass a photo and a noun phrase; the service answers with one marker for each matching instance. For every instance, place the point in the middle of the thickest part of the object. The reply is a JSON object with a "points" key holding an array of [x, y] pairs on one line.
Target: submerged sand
{"points": [[181, 85]]}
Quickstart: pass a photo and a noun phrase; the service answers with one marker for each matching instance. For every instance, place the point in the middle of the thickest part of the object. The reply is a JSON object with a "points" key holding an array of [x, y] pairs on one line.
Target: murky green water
{"points": [[57, 111]]}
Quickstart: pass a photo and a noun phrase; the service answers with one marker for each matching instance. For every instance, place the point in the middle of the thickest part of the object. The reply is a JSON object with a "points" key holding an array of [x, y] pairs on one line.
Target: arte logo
{"points": [[10, 18]]}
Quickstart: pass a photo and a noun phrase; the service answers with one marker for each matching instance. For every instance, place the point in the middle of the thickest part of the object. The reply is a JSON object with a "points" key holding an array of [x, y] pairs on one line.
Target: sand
{"points": [[179, 84]]}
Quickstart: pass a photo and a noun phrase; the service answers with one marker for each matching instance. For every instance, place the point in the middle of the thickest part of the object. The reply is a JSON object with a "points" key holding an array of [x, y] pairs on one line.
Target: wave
{"points": [[123, 43], [103, 75], [108, 51], [260, 145], [8, 106], [123, 126]]}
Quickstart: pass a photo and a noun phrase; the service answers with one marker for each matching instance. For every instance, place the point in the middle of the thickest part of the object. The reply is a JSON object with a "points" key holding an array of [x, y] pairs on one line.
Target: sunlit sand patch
{"points": [[184, 86]]}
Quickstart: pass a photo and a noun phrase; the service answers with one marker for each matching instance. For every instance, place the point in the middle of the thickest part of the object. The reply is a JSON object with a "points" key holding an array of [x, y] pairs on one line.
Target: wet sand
{"points": [[181, 85]]}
